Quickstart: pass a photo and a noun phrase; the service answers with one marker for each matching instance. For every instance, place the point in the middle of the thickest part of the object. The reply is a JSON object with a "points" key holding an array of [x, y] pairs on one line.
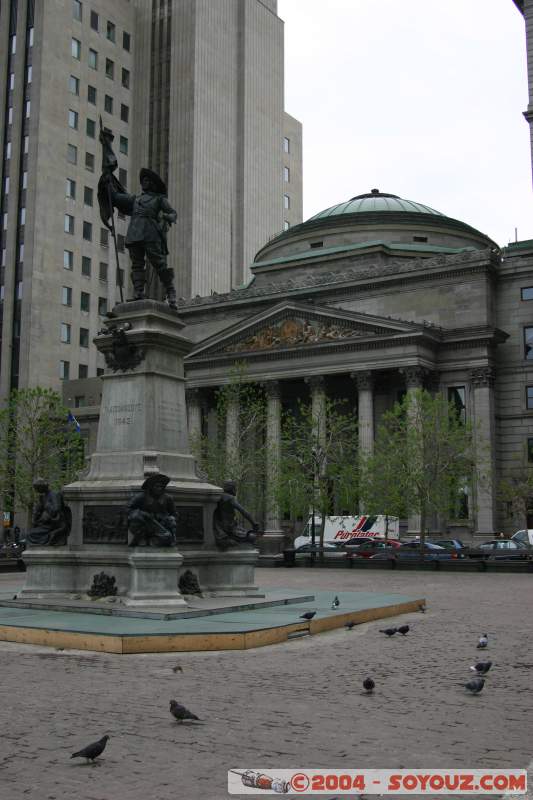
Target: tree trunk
{"points": [[422, 532]]}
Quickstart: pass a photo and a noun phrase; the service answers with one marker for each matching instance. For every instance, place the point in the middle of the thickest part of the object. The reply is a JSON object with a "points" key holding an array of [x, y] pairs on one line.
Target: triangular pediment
{"points": [[291, 324]]}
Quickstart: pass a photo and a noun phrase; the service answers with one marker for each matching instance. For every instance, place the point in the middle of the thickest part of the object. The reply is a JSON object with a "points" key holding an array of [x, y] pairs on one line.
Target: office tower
{"points": [[202, 104]]}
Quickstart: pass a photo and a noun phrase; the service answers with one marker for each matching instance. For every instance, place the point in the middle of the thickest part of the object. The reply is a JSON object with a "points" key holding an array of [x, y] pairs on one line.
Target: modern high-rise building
{"points": [[190, 88]]}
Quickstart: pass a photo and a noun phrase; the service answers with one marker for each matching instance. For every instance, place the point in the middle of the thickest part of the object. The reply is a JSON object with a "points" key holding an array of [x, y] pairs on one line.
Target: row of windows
{"points": [[70, 224], [92, 94], [85, 301], [83, 372], [72, 158], [86, 266], [66, 335], [90, 128], [111, 29]]}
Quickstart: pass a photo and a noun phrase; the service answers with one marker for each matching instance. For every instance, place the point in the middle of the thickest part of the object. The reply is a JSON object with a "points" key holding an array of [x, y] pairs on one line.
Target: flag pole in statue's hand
{"points": [[105, 197]]}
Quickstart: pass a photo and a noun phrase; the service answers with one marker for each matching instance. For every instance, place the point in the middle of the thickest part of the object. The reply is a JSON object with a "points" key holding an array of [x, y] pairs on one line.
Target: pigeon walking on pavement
{"points": [[93, 750], [482, 667], [308, 615], [389, 631], [180, 712], [475, 685], [349, 625], [368, 685], [483, 642], [404, 629], [336, 602]]}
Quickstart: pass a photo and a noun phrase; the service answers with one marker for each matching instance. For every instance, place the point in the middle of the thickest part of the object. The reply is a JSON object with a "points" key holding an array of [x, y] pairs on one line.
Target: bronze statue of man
{"points": [[228, 533], [52, 519], [152, 514], [151, 216]]}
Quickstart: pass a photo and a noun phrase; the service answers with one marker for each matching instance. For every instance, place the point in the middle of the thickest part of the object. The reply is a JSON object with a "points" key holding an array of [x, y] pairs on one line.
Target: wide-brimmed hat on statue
{"points": [[159, 185], [155, 479]]}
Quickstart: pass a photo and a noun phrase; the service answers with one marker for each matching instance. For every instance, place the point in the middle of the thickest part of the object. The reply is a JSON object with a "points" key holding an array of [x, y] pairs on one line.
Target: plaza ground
{"points": [[297, 704]]}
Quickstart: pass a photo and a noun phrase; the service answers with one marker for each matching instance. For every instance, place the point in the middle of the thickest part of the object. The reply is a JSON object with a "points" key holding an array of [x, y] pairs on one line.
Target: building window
{"points": [[111, 31], [74, 85], [529, 397], [79, 399], [286, 225], [93, 58], [24, 180], [104, 237], [65, 333], [84, 337], [68, 259], [83, 372], [18, 292], [94, 20], [528, 343], [121, 243], [286, 174], [85, 301], [457, 397], [88, 231], [29, 74], [72, 154], [86, 266], [103, 271], [89, 162], [6, 185], [30, 37], [99, 371], [124, 113], [64, 370], [88, 196], [90, 128], [286, 145], [27, 109], [8, 151], [316, 245], [286, 201], [527, 293], [10, 115], [69, 223], [21, 254], [14, 44], [102, 306], [126, 41], [125, 78], [530, 450], [91, 95], [110, 69], [77, 10], [66, 296], [73, 119], [108, 104], [22, 217], [75, 49], [70, 189], [124, 145]]}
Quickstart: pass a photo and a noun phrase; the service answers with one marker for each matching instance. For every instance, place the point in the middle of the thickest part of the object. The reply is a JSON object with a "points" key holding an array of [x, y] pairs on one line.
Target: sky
{"points": [[419, 98]]}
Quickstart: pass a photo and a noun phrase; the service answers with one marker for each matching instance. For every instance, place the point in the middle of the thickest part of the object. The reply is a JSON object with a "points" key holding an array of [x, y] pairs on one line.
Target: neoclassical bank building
{"points": [[367, 300]]}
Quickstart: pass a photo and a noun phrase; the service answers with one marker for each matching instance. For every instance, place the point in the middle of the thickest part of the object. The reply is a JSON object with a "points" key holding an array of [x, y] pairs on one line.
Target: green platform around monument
{"points": [[273, 620]]}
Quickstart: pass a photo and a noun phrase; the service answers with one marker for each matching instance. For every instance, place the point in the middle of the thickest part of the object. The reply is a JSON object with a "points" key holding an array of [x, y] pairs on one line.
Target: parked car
{"points": [[452, 544], [327, 550], [369, 549], [502, 548], [523, 537], [407, 550]]}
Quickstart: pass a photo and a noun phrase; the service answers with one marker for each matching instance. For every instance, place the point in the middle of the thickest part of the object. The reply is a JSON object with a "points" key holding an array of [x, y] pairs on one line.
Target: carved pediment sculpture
{"points": [[296, 331]]}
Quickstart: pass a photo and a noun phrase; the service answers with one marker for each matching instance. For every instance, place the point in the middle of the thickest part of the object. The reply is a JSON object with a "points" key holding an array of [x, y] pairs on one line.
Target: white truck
{"points": [[339, 530]]}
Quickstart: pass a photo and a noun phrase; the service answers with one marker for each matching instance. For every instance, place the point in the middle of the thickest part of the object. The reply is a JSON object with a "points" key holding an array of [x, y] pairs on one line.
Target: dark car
{"points": [[411, 550], [451, 544], [369, 549], [328, 549], [502, 549]]}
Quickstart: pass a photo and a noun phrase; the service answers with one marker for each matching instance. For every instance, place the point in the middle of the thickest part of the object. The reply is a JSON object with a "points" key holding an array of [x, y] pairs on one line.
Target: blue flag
{"points": [[73, 421]]}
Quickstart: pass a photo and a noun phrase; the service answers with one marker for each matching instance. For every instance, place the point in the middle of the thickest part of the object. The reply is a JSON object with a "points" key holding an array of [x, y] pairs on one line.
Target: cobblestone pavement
{"points": [[297, 704]]}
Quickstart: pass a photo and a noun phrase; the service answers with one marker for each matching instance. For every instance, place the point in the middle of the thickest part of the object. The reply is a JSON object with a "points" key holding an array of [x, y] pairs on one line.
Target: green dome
{"points": [[375, 201]]}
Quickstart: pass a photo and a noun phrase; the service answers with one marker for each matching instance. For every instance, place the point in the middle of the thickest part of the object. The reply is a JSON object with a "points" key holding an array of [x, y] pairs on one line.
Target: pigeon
{"points": [[403, 629], [180, 712], [349, 625], [483, 642], [93, 750], [336, 603], [368, 685], [308, 615], [482, 667], [389, 631], [177, 668], [475, 685]]}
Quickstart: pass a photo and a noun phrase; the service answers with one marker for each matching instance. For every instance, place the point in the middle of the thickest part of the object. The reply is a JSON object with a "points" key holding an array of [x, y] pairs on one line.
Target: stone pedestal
{"points": [[142, 431]]}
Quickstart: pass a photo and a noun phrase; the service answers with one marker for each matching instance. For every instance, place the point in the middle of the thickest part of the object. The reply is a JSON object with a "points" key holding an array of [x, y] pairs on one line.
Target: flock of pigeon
{"points": [[180, 713]]}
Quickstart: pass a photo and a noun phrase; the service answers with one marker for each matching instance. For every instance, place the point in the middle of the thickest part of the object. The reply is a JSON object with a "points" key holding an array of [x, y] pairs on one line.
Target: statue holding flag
{"points": [[151, 216]]}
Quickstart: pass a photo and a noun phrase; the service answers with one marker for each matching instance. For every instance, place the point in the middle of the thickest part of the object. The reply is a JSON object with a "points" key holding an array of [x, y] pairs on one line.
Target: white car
{"points": [[523, 537]]}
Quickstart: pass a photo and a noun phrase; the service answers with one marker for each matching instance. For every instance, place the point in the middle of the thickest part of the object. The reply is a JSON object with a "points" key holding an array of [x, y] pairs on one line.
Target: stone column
{"points": [[194, 414], [482, 383], [273, 538], [414, 379], [232, 432], [365, 410], [318, 405]]}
